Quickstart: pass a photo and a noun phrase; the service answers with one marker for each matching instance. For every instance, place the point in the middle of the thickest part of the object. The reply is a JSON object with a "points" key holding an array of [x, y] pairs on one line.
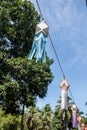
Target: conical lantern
{"points": [[64, 94], [39, 42]]}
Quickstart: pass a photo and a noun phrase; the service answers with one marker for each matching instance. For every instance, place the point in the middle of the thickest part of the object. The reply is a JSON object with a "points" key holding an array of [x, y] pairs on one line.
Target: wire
{"points": [[57, 57], [71, 95], [40, 10]]}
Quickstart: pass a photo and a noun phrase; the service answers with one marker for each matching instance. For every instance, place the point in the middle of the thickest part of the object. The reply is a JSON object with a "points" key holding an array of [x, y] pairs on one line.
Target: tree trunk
{"points": [[22, 119]]}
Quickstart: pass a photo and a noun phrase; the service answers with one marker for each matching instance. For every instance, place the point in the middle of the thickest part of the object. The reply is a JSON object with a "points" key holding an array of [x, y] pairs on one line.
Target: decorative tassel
{"points": [[74, 116], [39, 42], [64, 94]]}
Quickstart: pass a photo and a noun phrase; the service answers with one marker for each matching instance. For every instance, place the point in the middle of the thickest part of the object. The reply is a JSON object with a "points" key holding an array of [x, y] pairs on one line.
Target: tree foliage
{"points": [[9, 122], [39, 119], [21, 80]]}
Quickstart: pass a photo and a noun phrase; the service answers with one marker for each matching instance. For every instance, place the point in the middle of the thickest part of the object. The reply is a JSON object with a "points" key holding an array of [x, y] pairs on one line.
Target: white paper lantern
{"points": [[42, 27]]}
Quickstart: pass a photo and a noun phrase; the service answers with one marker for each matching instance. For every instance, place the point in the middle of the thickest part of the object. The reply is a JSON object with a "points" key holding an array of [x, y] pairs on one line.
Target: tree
{"points": [[46, 117], [21, 80], [39, 119], [8, 121], [34, 118]]}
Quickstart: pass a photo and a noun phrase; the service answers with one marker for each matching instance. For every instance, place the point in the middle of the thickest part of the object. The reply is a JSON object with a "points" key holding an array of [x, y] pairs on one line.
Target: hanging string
{"points": [[40, 10], [57, 57], [71, 95]]}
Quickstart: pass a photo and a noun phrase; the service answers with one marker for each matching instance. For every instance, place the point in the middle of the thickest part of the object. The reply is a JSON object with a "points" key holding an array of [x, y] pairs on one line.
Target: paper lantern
{"points": [[64, 94], [83, 126], [39, 43], [74, 116]]}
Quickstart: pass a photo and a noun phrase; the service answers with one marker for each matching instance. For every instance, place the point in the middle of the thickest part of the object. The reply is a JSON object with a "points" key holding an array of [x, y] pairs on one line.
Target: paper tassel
{"points": [[74, 120], [39, 42], [74, 116], [64, 94]]}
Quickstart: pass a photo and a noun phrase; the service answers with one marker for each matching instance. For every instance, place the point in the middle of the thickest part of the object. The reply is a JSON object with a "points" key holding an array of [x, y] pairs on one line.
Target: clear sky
{"points": [[67, 20]]}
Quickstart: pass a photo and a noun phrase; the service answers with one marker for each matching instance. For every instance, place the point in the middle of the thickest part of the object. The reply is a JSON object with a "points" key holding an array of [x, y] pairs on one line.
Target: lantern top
{"points": [[79, 119], [64, 84], [42, 27], [74, 106], [83, 125]]}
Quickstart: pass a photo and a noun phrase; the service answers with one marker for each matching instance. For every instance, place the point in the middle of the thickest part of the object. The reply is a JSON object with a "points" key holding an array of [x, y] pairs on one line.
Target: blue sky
{"points": [[67, 20]]}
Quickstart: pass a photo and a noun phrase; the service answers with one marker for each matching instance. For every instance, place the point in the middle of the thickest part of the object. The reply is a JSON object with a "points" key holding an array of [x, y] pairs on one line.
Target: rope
{"points": [[40, 10], [71, 95], [57, 57]]}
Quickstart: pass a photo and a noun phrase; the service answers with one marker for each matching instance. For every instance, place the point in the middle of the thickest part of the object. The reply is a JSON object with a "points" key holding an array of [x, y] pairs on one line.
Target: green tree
{"points": [[46, 117], [8, 121], [34, 118], [21, 80], [39, 119]]}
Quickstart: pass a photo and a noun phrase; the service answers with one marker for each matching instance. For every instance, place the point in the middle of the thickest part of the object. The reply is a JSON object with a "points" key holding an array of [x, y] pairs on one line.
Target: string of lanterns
{"points": [[39, 53]]}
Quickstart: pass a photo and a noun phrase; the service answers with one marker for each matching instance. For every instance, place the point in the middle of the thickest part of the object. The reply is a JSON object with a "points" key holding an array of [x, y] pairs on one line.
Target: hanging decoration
{"points": [[83, 126], [64, 94], [79, 120], [39, 42], [74, 116]]}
